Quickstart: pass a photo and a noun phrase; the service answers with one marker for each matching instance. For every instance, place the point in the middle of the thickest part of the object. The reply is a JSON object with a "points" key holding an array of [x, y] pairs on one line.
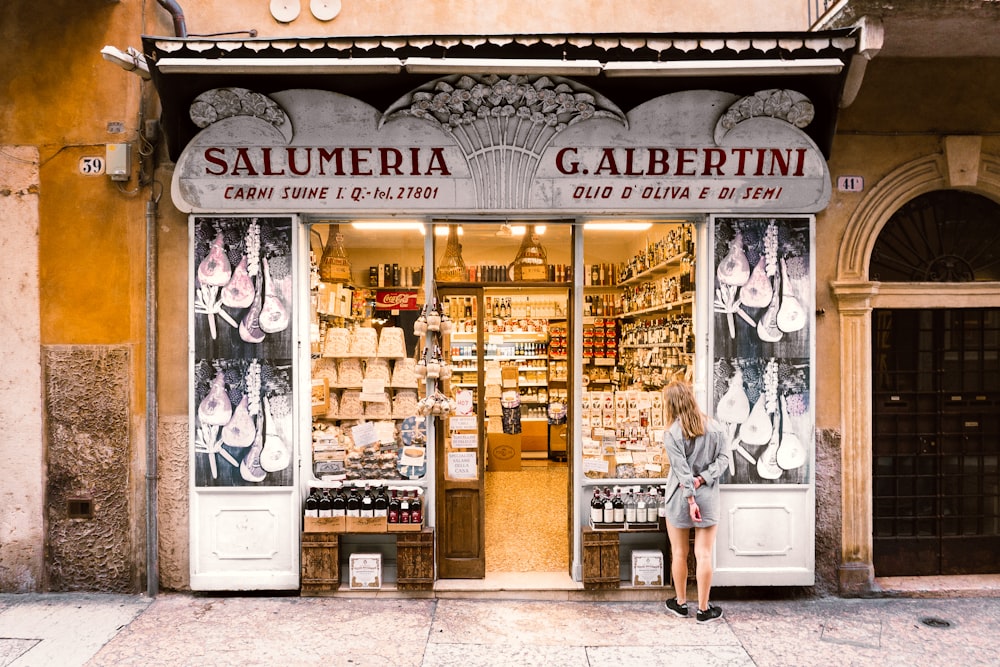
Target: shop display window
{"points": [[366, 295], [638, 335]]}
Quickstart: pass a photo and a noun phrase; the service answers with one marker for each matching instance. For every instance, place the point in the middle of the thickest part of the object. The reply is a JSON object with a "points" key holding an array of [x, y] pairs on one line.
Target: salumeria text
{"points": [[266, 161]]}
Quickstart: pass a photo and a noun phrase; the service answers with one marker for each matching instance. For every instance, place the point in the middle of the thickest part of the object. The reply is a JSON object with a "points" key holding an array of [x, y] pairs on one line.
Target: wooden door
{"points": [[460, 528]]}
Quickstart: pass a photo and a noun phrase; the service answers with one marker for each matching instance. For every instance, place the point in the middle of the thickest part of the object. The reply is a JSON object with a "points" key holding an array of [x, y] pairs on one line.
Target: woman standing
{"points": [[698, 453]]}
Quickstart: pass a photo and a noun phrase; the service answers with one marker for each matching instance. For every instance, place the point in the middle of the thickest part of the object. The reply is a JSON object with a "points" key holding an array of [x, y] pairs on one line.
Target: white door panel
{"points": [[245, 540], [765, 537]]}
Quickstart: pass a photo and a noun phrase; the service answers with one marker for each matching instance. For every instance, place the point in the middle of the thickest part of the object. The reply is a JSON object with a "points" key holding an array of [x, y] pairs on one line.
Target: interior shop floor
{"points": [[526, 524]]}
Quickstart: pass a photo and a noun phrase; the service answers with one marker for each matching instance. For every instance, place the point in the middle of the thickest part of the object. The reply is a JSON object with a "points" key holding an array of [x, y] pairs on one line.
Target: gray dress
{"points": [[708, 456]]}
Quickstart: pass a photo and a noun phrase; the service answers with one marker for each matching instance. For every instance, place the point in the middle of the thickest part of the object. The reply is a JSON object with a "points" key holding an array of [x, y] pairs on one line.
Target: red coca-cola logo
{"points": [[396, 300]]}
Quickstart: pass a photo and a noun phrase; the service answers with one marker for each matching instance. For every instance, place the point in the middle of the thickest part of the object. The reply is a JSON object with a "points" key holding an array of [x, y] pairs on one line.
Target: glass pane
{"points": [[941, 236], [366, 298]]}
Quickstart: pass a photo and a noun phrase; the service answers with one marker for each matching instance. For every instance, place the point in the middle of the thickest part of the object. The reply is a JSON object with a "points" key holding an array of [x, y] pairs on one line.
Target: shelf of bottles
{"points": [[654, 351], [630, 507], [368, 507], [516, 336], [492, 274]]}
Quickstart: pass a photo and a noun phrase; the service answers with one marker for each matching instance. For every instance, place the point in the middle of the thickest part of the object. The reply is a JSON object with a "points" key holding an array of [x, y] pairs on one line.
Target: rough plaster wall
{"points": [[21, 492], [828, 511], [87, 418], [172, 495]]}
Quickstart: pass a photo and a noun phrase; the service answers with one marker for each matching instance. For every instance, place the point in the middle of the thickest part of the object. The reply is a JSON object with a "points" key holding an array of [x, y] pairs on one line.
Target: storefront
{"points": [[435, 304]]}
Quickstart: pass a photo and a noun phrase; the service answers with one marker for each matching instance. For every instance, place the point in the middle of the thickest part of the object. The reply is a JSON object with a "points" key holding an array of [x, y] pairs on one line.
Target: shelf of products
{"points": [[655, 350], [622, 435], [365, 388]]}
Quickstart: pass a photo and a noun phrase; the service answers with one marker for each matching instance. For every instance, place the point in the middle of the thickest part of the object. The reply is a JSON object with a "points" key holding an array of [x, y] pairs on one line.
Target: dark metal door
{"points": [[936, 430]]}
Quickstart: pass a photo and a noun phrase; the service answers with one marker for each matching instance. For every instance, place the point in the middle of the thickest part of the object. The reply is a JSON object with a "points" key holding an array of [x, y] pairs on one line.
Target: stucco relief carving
{"points": [[504, 124], [220, 103], [787, 105]]}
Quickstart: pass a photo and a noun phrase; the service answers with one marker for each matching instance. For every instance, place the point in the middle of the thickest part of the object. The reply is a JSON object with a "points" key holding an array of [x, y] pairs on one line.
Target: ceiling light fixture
{"points": [[279, 65], [502, 66], [519, 230], [388, 225], [724, 67], [609, 226]]}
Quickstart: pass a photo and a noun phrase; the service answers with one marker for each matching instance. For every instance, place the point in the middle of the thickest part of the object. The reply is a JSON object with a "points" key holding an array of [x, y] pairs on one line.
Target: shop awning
{"points": [[631, 67]]}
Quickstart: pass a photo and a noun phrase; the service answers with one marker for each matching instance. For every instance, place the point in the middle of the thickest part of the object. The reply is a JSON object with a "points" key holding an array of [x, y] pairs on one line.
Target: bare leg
{"points": [[679, 560], [704, 541]]}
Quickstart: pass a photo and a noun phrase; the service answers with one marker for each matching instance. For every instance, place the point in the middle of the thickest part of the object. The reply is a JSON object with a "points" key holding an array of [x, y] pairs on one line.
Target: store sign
{"points": [[464, 144], [395, 300]]}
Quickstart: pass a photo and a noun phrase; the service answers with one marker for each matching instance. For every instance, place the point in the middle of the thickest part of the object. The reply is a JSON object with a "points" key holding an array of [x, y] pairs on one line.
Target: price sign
{"points": [[465, 440], [462, 465], [92, 165]]}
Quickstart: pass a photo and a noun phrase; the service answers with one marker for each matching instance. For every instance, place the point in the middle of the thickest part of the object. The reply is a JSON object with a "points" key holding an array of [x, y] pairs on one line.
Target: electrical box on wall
{"points": [[119, 162]]}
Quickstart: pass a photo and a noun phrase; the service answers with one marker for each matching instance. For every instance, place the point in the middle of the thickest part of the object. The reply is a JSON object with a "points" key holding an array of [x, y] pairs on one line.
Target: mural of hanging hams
{"points": [[242, 340], [762, 341]]}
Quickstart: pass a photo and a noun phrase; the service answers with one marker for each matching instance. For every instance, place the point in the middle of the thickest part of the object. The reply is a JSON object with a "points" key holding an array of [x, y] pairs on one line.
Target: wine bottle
{"points": [[661, 503], [609, 508], [367, 503], [393, 513], [381, 503], [416, 509], [312, 504], [596, 508], [325, 505], [404, 508], [619, 506], [353, 504], [339, 503], [630, 507], [640, 508]]}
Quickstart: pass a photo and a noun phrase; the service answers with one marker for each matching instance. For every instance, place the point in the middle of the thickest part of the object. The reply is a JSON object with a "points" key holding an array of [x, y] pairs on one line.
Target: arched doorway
{"points": [[961, 164], [936, 393]]}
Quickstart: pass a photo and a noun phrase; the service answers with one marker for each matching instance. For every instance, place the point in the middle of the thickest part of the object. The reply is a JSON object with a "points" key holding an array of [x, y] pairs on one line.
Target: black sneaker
{"points": [[676, 609], [713, 613]]}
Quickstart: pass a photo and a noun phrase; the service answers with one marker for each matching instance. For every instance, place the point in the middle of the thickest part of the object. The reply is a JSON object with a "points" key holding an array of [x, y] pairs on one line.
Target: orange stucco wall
{"points": [[405, 17], [62, 99]]}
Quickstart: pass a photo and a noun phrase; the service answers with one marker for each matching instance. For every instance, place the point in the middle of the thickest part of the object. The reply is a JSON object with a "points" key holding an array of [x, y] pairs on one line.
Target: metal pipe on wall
{"points": [[152, 412], [180, 27]]}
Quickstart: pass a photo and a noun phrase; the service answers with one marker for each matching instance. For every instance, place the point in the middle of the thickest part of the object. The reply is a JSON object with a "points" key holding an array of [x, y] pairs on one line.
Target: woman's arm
{"points": [[678, 463], [720, 463]]}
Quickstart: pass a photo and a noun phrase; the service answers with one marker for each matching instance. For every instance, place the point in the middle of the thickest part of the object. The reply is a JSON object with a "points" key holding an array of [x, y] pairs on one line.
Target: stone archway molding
{"points": [[960, 165]]}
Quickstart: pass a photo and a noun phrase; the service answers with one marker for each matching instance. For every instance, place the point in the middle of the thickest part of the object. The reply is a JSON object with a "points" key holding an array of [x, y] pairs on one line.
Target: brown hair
{"points": [[680, 403]]}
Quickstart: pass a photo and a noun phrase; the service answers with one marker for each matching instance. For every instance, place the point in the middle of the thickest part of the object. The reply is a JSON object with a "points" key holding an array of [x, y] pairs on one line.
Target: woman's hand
{"points": [[698, 481], [694, 510]]}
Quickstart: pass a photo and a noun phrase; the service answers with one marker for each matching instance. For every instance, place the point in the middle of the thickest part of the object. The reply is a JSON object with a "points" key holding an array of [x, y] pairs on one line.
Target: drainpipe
{"points": [[180, 28], [152, 412]]}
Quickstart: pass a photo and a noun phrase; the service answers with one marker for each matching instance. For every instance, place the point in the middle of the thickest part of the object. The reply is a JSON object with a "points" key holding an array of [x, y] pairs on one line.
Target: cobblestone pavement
{"points": [[94, 630]]}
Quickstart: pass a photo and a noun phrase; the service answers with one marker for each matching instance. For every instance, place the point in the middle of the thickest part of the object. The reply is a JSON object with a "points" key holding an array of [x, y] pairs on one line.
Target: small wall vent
{"points": [[80, 508]]}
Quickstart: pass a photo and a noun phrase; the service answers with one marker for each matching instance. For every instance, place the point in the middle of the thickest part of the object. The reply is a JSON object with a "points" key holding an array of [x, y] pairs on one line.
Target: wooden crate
{"points": [[320, 562], [600, 559], [415, 560]]}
